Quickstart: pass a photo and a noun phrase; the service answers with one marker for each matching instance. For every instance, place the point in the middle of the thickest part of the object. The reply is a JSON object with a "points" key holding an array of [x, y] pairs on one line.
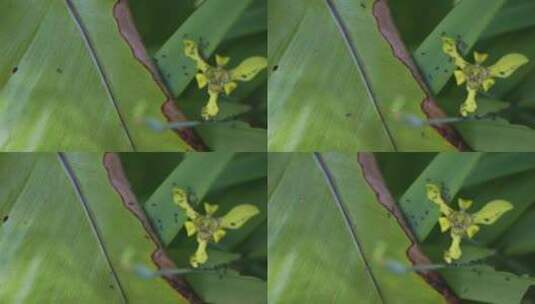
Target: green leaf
{"points": [[515, 15], [485, 284], [415, 19], [221, 289], [496, 165], [137, 165], [464, 26], [449, 170], [323, 237], [342, 85], [519, 238], [157, 20], [66, 233], [233, 136], [69, 80], [253, 21], [399, 175], [471, 254], [497, 135]]}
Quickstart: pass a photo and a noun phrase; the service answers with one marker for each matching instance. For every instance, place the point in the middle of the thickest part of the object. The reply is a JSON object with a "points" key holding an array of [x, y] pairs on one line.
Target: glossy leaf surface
{"points": [[66, 234], [69, 81]]}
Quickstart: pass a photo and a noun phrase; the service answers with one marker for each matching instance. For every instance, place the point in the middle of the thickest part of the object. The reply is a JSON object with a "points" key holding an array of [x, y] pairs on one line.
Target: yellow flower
{"points": [[476, 76], [218, 79], [207, 227], [461, 222]]}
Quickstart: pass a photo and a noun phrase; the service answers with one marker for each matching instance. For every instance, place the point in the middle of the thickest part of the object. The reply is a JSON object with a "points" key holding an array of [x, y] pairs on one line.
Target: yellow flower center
{"points": [[476, 75], [460, 221], [206, 226], [218, 77]]}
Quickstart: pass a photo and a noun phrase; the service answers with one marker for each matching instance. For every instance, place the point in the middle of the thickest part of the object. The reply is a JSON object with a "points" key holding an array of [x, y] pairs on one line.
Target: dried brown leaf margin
{"points": [[129, 32], [374, 178], [112, 164], [387, 27]]}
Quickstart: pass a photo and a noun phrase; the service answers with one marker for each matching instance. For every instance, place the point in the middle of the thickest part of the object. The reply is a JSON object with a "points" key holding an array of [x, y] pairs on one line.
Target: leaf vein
{"points": [[64, 162], [99, 66], [329, 179], [355, 56]]}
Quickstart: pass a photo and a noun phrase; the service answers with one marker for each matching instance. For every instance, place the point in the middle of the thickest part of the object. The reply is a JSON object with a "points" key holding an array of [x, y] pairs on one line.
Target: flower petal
{"points": [[190, 228], [469, 105], [464, 203], [460, 77], [218, 235], [434, 195], [480, 57], [202, 80], [449, 47], [221, 60], [488, 83], [211, 109], [230, 87], [238, 216], [472, 230], [210, 209], [200, 256], [181, 199], [507, 65], [491, 212], [454, 252], [192, 51], [248, 69], [444, 223]]}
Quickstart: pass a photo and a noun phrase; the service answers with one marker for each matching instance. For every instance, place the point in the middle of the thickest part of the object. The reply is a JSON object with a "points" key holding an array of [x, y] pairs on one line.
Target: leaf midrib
{"points": [[348, 221], [69, 172], [73, 11], [359, 65]]}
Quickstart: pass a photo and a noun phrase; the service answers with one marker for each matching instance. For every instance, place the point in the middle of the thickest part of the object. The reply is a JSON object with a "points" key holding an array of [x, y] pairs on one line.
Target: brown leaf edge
{"points": [[129, 32], [385, 23], [374, 178], [118, 180]]}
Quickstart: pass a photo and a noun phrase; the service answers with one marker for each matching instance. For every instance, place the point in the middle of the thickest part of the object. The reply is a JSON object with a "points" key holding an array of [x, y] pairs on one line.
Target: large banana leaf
{"points": [[325, 227], [70, 222], [69, 79], [345, 85]]}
